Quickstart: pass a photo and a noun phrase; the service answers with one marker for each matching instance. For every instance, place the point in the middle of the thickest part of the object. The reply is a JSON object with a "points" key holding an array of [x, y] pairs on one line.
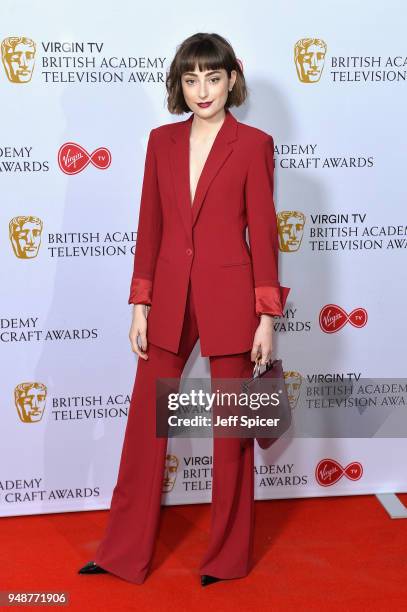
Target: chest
{"points": [[198, 155], [218, 173]]}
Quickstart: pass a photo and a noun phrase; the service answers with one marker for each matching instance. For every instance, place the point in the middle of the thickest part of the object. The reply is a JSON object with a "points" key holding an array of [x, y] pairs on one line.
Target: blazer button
{"points": [[189, 251]]}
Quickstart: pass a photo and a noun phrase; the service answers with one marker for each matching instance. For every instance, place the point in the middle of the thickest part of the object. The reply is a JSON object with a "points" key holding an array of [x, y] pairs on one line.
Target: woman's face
{"points": [[206, 92]]}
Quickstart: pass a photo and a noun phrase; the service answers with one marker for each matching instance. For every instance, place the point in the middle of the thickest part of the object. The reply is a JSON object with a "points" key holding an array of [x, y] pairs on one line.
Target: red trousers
{"points": [[128, 543]]}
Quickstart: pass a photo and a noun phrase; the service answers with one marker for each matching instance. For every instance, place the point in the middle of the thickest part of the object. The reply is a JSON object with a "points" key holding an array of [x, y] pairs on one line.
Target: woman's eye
{"points": [[192, 81]]}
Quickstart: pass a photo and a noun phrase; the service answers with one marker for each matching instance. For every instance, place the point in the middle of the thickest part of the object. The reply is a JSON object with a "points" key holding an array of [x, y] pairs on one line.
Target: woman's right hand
{"points": [[139, 328]]}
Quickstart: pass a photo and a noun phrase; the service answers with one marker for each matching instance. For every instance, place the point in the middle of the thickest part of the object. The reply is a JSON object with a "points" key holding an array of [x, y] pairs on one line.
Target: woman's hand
{"points": [[139, 328], [263, 340]]}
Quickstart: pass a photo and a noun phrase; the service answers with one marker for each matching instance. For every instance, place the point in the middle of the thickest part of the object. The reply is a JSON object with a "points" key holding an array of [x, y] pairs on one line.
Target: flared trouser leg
{"points": [[128, 543], [127, 547], [230, 549]]}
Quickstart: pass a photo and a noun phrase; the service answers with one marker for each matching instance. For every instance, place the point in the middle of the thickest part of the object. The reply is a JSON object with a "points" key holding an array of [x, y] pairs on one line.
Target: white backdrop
{"points": [[95, 79]]}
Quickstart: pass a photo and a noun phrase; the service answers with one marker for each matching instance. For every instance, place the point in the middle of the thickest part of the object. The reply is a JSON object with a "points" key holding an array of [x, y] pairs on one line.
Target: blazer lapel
{"points": [[222, 147], [179, 164]]}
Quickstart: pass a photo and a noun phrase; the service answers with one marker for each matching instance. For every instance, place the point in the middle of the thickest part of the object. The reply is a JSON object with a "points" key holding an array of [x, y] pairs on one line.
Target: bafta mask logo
{"points": [[290, 225], [25, 236], [18, 55], [170, 473], [309, 58], [30, 398], [293, 382]]}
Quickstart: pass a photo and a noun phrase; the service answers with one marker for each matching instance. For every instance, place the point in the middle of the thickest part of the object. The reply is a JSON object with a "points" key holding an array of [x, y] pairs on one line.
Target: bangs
{"points": [[206, 55]]}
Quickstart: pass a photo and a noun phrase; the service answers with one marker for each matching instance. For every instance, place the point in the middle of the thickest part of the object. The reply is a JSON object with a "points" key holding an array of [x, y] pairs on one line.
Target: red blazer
{"points": [[206, 242]]}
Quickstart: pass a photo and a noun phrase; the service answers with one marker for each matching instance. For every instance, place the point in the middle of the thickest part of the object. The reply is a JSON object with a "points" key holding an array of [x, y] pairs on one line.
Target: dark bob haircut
{"points": [[210, 52]]}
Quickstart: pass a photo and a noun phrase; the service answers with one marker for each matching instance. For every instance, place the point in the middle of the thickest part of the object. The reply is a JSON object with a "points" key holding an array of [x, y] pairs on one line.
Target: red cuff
{"points": [[140, 291], [271, 300]]}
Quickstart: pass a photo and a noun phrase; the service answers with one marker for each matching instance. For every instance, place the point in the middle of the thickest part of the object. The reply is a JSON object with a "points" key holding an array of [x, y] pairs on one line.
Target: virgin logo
{"points": [[72, 158], [332, 318], [329, 471]]}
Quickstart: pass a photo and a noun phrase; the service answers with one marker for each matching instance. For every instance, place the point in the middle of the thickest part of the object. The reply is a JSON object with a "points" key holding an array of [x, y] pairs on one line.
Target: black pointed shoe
{"points": [[92, 568], [206, 579]]}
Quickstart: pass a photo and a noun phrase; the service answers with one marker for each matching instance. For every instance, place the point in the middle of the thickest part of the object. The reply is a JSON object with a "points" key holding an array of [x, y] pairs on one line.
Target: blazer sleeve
{"points": [[263, 234], [149, 231]]}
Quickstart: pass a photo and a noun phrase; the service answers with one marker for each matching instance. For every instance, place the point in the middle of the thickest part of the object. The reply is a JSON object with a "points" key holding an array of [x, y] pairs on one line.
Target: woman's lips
{"points": [[204, 104]]}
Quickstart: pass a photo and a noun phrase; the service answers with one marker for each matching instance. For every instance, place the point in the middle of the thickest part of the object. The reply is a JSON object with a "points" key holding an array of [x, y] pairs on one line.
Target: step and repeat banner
{"points": [[81, 88]]}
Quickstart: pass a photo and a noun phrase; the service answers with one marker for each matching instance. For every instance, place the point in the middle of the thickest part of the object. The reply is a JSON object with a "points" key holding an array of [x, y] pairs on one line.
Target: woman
{"points": [[206, 180]]}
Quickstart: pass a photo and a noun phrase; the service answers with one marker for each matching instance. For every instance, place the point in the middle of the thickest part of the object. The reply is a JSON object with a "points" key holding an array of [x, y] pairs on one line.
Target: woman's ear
{"points": [[232, 79]]}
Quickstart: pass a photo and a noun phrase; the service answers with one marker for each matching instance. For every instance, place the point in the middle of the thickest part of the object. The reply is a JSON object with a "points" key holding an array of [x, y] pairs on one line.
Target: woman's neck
{"points": [[205, 128]]}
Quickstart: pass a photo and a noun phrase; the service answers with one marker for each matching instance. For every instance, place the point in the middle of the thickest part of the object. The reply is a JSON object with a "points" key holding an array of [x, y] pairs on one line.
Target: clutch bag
{"points": [[272, 370]]}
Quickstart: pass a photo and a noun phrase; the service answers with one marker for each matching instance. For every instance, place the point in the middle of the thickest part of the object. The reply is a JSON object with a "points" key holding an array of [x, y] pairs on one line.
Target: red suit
{"points": [[193, 266], [206, 242]]}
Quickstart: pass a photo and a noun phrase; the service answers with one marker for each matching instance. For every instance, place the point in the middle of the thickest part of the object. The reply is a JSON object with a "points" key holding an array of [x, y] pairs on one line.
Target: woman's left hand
{"points": [[263, 340]]}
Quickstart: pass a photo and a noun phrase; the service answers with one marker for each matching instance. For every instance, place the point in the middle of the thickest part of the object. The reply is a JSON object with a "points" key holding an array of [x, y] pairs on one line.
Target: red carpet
{"points": [[339, 553]]}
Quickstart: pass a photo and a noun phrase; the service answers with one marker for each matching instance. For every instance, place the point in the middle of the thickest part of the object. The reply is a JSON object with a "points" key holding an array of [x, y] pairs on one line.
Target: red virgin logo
{"points": [[329, 471], [332, 318], [72, 158]]}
